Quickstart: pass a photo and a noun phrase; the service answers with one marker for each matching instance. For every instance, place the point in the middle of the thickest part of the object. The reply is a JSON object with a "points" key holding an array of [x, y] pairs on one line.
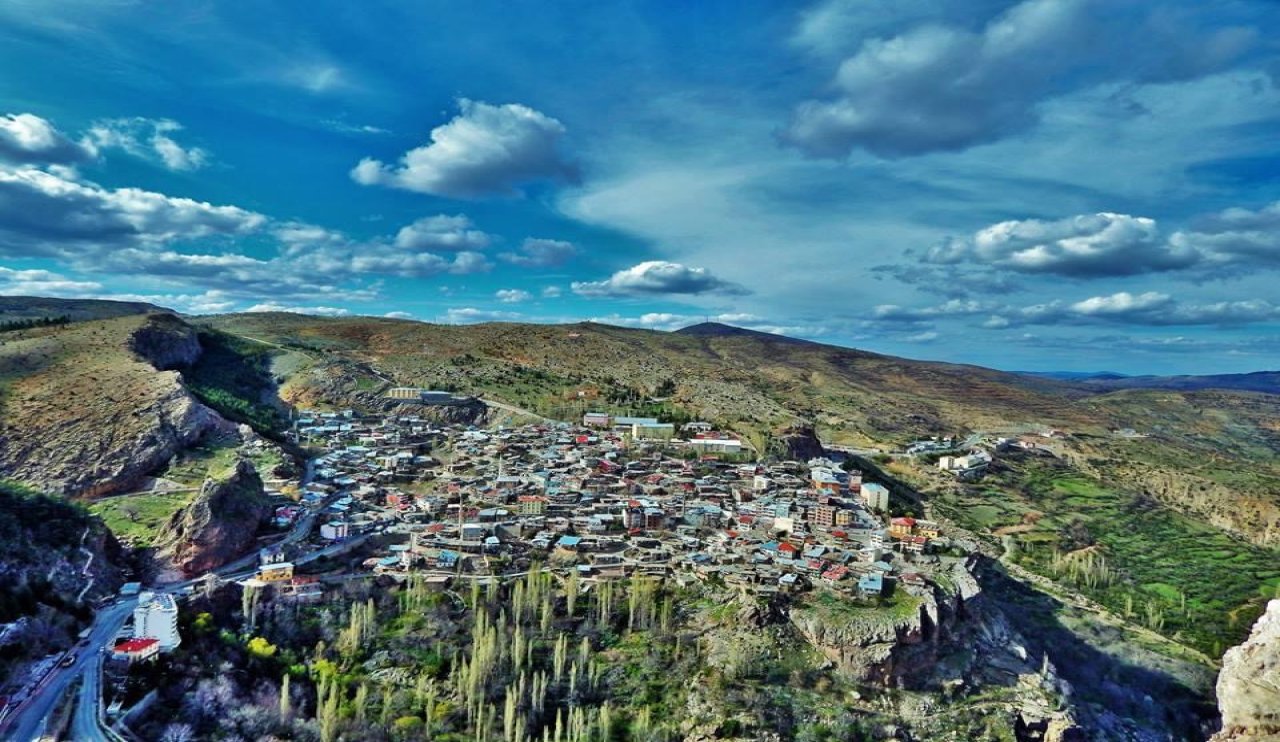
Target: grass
{"points": [[1204, 586], [137, 518]]}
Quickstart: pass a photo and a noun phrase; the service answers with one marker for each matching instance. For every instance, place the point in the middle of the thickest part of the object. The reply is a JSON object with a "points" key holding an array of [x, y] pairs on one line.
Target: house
{"points": [[276, 572], [596, 420], [901, 527], [654, 431], [875, 496], [156, 617], [135, 650], [871, 584], [532, 504], [569, 543], [336, 530]]}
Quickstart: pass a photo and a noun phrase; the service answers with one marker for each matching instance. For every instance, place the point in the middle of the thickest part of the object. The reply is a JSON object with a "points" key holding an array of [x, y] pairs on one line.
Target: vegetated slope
{"points": [[751, 381], [51, 554], [1209, 454], [91, 407], [76, 310]]}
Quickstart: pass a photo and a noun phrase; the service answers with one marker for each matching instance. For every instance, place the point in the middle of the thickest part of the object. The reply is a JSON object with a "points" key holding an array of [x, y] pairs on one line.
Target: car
{"points": [[68, 661]]}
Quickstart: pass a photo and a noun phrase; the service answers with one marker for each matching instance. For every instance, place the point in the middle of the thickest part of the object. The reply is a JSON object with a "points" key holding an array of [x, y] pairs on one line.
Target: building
{"points": [[276, 572], [337, 530], [135, 650], [653, 431], [875, 497], [716, 444], [156, 617], [901, 527], [826, 480], [871, 584], [824, 516], [595, 420], [532, 504]]}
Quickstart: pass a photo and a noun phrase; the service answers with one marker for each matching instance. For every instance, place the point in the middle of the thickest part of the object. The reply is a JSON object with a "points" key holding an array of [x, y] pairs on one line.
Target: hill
{"points": [[76, 310]]}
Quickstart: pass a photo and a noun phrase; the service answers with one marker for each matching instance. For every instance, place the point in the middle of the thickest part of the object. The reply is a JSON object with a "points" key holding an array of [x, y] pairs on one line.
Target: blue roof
{"points": [[873, 582], [771, 546], [569, 540]]}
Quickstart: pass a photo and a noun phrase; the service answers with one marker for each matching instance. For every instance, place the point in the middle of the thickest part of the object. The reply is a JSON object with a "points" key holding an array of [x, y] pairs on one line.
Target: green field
{"points": [[137, 518], [1181, 577]]}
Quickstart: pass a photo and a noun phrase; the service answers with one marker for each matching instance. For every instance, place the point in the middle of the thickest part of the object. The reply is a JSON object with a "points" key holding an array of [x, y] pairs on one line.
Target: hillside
{"points": [[741, 379], [1185, 452]]}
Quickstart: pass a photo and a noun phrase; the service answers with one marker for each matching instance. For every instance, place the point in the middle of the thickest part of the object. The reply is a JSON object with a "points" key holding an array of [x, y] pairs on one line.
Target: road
{"points": [[87, 723], [29, 720], [516, 410]]}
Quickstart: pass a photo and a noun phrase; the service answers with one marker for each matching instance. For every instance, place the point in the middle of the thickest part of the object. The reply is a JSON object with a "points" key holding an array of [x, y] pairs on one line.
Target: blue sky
{"points": [[1047, 184]]}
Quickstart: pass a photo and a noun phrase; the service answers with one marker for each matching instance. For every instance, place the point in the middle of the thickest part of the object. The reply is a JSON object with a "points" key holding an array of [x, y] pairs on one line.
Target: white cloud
{"points": [[27, 138], [471, 315], [927, 336], [512, 296], [43, 283], [147, 139], [294, 309], [946, 87], [657, 277], [485, 150], [398, 315], [46, 213], [1086, 246], [540, 253], [441, 232], [551, 292]]}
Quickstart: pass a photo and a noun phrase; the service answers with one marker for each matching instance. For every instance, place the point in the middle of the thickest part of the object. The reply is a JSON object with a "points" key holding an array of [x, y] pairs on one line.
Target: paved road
{"points": [[86, 724], [28, 722]]}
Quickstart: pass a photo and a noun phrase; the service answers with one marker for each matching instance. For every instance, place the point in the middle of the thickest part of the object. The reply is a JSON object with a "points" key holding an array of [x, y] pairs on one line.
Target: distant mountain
{"points": [[1074, 375], [1259, 381]]}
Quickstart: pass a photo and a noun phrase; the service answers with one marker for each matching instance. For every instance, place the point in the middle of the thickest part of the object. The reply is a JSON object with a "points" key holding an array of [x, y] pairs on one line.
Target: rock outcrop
{"points": [[102, 411], [218, 526], [166, 342], [800, 443], [1249, 684]]}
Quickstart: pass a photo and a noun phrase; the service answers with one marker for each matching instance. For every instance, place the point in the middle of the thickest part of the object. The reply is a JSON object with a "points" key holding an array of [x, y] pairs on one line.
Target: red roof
{"points": [[904, 521], [133, 646], [789, 547]]}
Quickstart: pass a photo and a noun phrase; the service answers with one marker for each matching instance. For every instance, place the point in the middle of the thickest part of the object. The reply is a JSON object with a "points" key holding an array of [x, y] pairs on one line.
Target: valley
{"points": [[1121, 541]]}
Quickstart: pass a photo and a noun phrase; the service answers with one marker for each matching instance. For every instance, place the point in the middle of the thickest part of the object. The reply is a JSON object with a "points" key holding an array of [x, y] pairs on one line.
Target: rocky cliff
{"points": [[218, 526], [1249, 684], [93, 407]]}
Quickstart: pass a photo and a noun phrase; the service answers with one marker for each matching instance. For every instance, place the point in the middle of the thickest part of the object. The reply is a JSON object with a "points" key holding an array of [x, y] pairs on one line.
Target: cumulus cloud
{"points": [[27, 138], [485, 150], [441, 232], [551, 292], [48, 213], [512, 296], [470, 315], [1086, 246], [946, 87], [148, 139], [43, 283], [294, 309], [658, 277], [398, 315], [1236, 236], [1150, 308], [540, 253]]}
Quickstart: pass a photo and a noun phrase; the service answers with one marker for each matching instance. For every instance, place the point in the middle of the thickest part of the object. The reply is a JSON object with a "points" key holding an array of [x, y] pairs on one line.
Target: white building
{"points": [[156, 617], [875, 496]]}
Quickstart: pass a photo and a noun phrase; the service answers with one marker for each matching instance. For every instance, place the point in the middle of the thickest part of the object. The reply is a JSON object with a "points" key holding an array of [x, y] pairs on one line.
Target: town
{"points": [[608, 498]]}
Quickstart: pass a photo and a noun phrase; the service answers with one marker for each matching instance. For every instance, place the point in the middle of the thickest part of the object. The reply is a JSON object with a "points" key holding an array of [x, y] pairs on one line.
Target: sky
{"points": [[1072, 185]]}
